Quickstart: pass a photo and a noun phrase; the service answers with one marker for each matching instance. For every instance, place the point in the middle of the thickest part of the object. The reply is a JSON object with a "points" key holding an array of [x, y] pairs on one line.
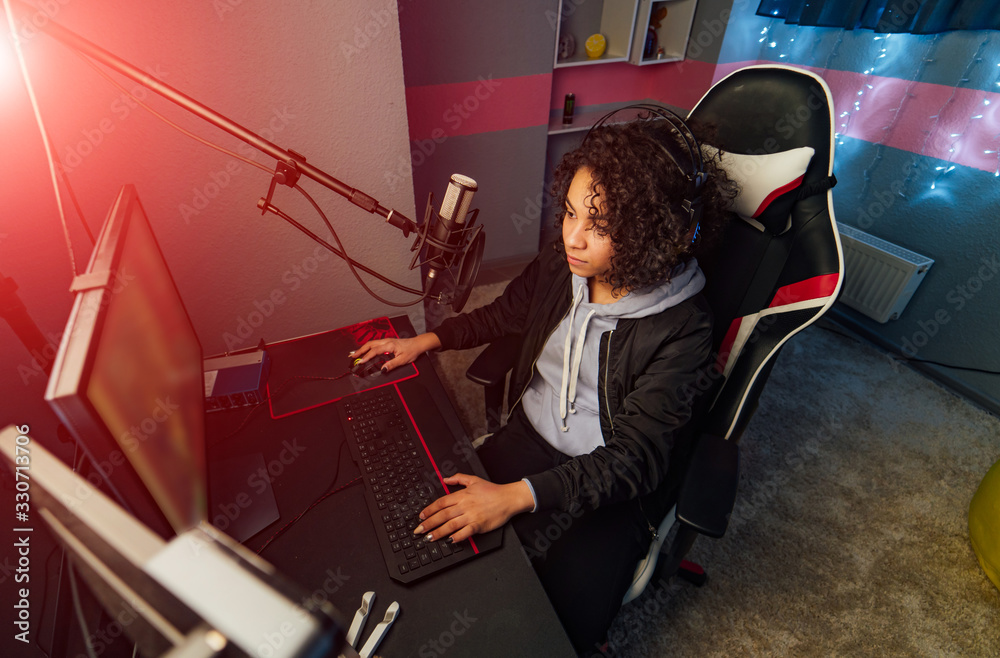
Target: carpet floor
{"points": [[850, 532]]}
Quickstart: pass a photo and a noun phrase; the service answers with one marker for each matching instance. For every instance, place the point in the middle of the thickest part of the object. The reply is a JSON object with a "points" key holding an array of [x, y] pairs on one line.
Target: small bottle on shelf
{"points": [[568, 105]]}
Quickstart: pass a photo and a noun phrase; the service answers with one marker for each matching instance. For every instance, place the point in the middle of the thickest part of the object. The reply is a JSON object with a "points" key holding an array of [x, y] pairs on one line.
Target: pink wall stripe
{"points": [[954, 124], [479, 106], [680, 84]]}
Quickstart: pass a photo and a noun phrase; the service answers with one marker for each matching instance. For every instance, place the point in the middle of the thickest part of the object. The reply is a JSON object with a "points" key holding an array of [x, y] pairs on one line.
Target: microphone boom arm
{"points": [[112, 61]]}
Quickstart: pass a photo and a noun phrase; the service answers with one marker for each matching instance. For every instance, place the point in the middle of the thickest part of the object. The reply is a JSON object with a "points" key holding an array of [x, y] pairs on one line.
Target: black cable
{"points": [[79, 612], [329, 247], [342, 253], [948, 365], [76, 205], [64, 177], [350, 263], [167, 121], [329, 492], [275, 394], [912, 359]]}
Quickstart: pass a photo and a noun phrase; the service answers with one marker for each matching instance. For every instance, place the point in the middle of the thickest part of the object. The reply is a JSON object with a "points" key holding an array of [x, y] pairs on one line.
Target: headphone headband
{"points": [[694, 173]]}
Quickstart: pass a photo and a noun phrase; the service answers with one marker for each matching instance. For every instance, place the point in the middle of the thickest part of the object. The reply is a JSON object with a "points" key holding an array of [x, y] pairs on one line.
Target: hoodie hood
{"points": [[686, 281], [566, 379]]}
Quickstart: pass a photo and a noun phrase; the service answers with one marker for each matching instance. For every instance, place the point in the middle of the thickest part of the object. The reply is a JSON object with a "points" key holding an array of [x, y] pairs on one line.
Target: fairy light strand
{"points": [[896, 112], [943, 170]]}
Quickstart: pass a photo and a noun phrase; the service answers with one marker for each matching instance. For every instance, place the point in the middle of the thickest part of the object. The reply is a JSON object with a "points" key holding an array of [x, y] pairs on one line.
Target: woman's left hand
{"points": [[480, 507]]}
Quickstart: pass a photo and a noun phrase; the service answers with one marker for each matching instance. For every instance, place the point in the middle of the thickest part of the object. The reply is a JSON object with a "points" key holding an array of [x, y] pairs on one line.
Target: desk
{"points": [[492, 605]]}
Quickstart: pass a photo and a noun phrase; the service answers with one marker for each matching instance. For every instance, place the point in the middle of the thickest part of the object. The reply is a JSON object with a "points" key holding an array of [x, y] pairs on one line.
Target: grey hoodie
{"points": [[561, 401]]}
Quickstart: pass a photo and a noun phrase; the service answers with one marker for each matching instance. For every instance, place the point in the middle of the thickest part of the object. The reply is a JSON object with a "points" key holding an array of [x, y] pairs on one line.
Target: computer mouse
{"points": [[372, 366]]}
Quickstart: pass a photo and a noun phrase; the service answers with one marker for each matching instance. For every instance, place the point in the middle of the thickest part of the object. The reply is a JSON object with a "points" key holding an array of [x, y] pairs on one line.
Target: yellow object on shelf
{"points": [[596, 45], [984, 524]]}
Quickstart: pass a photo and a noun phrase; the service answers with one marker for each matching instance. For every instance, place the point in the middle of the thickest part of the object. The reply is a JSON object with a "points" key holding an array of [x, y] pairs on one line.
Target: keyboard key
{"points": [[400, 480]]}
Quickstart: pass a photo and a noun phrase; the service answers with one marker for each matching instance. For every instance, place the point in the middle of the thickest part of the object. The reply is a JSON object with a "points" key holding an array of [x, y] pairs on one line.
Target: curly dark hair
{"points": [[641, 190]]}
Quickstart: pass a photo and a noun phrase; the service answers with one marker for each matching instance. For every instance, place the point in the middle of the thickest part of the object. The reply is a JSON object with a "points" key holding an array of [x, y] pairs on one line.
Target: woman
{"points": [[614, 332]]}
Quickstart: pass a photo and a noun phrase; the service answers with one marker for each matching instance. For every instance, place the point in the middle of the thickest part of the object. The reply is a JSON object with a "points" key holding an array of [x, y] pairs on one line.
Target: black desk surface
{"points": [[492, 605]]}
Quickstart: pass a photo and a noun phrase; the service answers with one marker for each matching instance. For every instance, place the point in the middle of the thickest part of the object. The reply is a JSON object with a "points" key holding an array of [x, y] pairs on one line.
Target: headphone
{"points": [[690, 154]]}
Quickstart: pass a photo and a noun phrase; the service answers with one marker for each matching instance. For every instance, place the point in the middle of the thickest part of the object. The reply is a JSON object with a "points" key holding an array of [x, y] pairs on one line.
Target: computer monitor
{"points": [[198, 594], [127, 380]]}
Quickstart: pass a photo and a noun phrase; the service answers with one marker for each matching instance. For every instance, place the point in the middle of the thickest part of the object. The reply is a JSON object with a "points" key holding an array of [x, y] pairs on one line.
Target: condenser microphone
{"points": [[446, 232]]}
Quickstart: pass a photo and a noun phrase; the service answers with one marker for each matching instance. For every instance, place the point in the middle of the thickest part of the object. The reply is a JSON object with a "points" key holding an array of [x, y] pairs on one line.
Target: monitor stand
{"points": [[241, 500]]}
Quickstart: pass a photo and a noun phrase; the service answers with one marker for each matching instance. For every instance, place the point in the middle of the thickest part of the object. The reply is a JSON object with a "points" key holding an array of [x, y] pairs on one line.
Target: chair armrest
{"points": [[708, 494], [491, 366]]}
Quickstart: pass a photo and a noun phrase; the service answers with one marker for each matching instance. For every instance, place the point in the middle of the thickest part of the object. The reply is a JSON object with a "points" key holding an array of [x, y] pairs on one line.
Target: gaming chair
{"points": [[775, 271]]}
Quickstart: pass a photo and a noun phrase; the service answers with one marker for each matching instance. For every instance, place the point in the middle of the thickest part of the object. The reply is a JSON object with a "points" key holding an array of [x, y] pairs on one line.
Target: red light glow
{"points": [[9, 70]]}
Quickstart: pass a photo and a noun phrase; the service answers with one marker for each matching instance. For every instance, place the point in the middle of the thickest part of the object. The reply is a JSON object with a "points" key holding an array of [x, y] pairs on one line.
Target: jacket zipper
{"points": [[654, 535], [611, 419], [607, 369], [531, 373]]}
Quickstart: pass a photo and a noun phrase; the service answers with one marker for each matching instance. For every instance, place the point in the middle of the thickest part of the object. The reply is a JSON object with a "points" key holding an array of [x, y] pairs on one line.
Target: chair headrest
{"points": [[769, 184]]}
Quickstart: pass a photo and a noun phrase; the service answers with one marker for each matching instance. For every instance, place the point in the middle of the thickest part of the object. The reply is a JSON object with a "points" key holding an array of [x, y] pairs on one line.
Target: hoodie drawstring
{"points": [[567, 391]]}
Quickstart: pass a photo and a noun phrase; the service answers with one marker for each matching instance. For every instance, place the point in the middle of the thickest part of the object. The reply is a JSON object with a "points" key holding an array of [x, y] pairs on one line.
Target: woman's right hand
{"points": [[404, 350]]}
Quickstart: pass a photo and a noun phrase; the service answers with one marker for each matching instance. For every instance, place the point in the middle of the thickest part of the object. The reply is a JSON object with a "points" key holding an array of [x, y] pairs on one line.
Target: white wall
{"points": [[325, 78]]}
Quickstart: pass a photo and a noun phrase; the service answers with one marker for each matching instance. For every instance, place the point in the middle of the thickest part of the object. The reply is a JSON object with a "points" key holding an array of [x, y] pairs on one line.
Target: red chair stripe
{"points": [[816, 287], [787, 187]]}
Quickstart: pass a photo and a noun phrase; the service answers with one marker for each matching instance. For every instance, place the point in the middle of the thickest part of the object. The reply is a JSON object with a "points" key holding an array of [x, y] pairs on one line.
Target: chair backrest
{"points": [[771, 277]]}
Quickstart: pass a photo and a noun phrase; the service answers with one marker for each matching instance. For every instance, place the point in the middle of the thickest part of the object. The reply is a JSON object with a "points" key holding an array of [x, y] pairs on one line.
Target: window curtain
{"points": [[913, 16]]}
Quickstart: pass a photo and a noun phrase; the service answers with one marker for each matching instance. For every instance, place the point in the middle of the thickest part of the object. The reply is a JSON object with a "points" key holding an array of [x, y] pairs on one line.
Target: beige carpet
{"points": [[850, 534]]}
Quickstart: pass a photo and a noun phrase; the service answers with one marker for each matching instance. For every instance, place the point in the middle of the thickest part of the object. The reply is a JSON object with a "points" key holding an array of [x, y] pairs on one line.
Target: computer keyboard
{"points": [[401, 478]]}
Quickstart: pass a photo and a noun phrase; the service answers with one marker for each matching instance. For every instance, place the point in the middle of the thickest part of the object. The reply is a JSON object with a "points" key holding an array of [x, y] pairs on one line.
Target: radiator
{"points": [[879, 277]]}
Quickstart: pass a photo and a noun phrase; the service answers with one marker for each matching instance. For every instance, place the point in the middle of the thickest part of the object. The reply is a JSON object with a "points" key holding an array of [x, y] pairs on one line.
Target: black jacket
{"points": [[647, 367]]}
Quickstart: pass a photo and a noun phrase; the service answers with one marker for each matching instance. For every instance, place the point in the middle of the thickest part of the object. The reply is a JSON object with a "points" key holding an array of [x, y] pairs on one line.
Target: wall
{"points": [[601, 88], [477, 89], [480, 88], [324, 78], [918, 160]]}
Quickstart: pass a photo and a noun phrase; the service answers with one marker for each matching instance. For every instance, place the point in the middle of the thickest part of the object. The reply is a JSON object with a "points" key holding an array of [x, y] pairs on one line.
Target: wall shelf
{"points": [[671, 36], [615, 19]]}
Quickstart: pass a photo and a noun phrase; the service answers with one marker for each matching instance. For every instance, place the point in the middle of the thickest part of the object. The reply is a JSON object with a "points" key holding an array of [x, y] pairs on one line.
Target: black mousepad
{"points": [[306, 379]]}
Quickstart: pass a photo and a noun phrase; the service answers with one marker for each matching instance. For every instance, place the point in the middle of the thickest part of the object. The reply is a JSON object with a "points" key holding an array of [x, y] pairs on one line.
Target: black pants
{"points": [[585, 560]]}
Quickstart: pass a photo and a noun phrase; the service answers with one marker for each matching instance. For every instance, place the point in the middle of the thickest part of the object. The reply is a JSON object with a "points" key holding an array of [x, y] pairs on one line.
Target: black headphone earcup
{"points": [[695, 172]]}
